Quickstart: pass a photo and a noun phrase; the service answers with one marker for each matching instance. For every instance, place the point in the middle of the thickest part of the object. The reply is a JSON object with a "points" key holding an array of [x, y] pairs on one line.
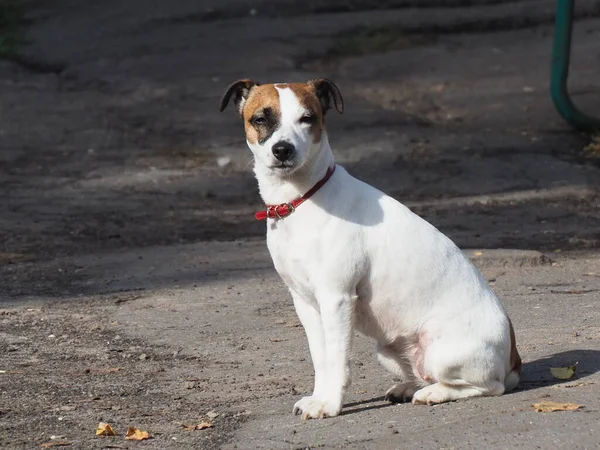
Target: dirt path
{"points": [[208, 327], [125, 245]]}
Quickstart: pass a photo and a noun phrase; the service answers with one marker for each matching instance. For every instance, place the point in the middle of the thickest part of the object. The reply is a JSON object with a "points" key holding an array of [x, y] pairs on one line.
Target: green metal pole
{"points": [[561, 53]]}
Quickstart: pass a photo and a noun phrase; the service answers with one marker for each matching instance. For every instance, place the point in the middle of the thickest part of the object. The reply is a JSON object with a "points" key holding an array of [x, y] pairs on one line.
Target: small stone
{"points": [[143, 357], [212, 414], [223, 161], [189, 385], [51, 336]]}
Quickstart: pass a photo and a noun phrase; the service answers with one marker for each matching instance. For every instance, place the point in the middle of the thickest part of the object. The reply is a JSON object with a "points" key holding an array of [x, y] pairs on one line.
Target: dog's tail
{"points": [[512, 378]]}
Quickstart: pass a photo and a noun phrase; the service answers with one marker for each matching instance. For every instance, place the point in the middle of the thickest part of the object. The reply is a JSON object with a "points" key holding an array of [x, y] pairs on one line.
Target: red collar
{"points": [[285, 209]]}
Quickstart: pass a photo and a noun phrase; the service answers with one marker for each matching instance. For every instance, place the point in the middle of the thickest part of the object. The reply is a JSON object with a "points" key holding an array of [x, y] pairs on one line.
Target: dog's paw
{"points": [[315, 408], [400, 393], [434, 393]]}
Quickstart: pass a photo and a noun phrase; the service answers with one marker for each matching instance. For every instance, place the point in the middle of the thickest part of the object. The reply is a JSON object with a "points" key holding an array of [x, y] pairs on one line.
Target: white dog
{"points": [[354, 258]]}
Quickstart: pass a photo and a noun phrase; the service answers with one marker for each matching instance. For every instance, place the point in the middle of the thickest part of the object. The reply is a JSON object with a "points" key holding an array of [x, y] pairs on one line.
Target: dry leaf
{"points": [[563, 373], [105, 429], [571, 385], [553, 406], [56, 444], [103, 370], [478, 253], [133, 434], [200, 426], [8, 258], [593, 149]]}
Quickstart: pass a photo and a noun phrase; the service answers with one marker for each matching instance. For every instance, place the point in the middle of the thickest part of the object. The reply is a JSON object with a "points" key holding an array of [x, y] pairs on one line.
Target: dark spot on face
{"points": [[261, 113], [265, 123]]}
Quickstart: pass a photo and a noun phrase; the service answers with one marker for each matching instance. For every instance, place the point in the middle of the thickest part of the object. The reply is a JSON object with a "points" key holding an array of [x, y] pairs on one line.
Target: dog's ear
{"points": [[327, 91], [240, 90]]}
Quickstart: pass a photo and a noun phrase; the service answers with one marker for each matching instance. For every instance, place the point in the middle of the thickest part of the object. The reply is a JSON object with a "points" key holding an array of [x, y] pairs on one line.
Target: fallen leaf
{"points": [[12, 258], [571, 385], [200, 426], [105, 429], [56, 444], [103, 370], [478, 253], [574, 291], [133, 434], [563, 373], [553, 406], [593, 149]]}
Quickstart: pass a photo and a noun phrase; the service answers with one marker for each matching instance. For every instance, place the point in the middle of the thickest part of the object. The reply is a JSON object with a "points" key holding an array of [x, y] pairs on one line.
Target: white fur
{"points": [[354, 258]]}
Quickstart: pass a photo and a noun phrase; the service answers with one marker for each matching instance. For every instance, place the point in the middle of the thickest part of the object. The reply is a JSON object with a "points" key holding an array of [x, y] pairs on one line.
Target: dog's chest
{"points": [[293, 256]]}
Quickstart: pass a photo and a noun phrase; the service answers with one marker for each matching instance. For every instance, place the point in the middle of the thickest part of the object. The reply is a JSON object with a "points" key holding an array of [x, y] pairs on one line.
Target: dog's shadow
{"points": [[535, 374]]}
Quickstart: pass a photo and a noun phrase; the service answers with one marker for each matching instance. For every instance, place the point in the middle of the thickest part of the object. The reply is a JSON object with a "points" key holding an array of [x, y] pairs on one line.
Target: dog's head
{"points": [[284, 123]]}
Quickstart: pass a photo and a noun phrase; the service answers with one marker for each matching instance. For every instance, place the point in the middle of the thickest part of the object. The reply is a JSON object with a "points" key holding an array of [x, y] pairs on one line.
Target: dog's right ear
{"points": [[240, 90]]}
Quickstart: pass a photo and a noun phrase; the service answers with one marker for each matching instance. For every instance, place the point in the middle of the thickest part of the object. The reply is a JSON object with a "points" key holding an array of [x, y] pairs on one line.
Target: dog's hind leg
{"points": [[391, 359], [462, 369], [440, 393]]}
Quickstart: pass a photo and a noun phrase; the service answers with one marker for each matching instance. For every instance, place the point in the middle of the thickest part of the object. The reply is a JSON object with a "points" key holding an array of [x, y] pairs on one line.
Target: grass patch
{"points": [[12, 35]]}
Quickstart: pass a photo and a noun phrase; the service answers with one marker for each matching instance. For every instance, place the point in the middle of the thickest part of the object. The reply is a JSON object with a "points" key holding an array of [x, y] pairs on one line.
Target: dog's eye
{"points": [[258, 121], [307, 118]]}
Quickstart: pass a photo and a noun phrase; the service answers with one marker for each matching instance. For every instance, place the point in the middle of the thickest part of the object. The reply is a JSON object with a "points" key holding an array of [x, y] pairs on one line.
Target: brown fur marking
{"points": [[308, 98], [515, 359], [261, 98]]}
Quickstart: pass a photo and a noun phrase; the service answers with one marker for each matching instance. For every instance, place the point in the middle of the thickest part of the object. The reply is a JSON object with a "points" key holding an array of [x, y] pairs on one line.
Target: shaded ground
{"points": [[111, 198]]}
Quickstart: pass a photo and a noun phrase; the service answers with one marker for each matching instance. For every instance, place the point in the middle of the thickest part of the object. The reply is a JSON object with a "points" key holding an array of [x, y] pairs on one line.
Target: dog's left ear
{"points": [[327, 91], [240, 89]]}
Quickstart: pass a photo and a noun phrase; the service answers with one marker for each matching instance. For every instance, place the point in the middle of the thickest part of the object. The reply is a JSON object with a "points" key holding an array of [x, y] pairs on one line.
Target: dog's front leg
{"points": [[332, 374], [310, 317]]}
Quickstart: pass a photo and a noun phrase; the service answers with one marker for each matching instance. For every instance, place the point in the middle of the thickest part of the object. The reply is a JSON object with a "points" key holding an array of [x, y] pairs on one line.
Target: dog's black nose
{"points": [[283, 150]]}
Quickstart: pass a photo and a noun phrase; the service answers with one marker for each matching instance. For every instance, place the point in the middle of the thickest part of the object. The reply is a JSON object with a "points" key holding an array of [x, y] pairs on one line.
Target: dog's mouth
{"points": [[284, 166]]}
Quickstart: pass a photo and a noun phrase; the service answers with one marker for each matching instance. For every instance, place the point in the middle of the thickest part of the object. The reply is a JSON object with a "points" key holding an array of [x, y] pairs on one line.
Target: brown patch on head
{"points": [[261, 113], [315, 115], [515, 359]]}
